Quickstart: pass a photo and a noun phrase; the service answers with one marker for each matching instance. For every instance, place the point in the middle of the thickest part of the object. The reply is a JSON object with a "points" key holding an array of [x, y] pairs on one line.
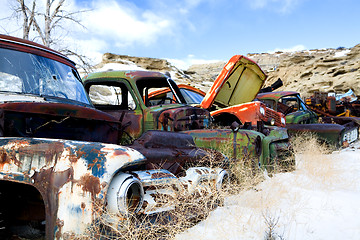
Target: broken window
{"points": [[27, 73]]}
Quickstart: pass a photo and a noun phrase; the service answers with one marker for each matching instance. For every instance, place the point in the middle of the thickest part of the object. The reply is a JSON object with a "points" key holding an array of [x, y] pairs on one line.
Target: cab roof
{"points": [[23, 45]]}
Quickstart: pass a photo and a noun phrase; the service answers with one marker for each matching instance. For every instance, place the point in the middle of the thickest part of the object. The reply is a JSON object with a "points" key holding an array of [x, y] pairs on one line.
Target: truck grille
{"points": [[269, 113]]}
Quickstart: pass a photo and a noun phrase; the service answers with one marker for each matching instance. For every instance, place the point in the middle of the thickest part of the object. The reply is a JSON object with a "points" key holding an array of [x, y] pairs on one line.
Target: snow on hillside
{"points": [[118, 67], [317, 201]]}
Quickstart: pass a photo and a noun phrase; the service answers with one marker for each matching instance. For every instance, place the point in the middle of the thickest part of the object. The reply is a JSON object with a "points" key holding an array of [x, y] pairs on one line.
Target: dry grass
{"points": [[188, 211], [273, 209], [314, 159]]}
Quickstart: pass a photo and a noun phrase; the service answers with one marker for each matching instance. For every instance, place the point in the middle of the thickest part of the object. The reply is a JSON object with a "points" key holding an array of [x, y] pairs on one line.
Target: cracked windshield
{"points": [[32, 74]]}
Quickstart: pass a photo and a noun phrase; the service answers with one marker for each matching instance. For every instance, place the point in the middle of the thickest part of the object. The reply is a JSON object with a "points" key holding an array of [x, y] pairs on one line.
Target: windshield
{"points": [[191, 97], [26, 73]]}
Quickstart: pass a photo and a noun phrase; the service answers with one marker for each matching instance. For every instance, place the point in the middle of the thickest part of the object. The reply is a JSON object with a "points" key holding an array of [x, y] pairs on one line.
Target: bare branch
{"points": [[27, 21], [84, 61], [69, 17], [32, 16], [46, 23], [56, 9]]}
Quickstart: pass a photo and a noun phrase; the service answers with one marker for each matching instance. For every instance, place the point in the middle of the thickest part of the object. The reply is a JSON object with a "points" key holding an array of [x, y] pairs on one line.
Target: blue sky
{"points": [[194, 31]]}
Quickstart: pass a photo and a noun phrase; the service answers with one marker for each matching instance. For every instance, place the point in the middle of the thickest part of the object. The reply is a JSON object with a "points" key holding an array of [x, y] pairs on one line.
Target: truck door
{"points": [[116, 99]]}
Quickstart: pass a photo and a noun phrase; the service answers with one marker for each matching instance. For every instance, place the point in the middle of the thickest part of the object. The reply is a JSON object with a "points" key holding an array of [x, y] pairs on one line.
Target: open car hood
{"points": [[238, 82]]}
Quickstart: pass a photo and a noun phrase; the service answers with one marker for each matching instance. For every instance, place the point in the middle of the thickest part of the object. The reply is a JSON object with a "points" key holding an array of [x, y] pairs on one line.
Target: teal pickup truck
{"points": [[301, 119]]}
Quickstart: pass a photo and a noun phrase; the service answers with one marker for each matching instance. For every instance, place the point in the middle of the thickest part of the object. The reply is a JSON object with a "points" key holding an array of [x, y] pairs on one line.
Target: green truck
{"points": [[125, 95]]}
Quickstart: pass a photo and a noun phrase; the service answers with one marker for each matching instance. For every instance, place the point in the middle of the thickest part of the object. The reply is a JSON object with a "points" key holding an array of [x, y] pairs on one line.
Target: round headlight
{"points": [[283, 121], [262, 111], [125, 195], [272, 122]]}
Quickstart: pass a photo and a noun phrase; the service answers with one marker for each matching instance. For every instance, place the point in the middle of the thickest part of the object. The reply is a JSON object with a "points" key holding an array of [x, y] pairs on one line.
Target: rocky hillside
{"points": [[316, 70], [116, 62], [306, 71]]}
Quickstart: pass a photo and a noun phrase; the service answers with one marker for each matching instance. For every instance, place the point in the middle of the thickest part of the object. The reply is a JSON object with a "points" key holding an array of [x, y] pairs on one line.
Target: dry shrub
{"points": [[313, 157], [188, 210], [244, 175], [271, 223]]}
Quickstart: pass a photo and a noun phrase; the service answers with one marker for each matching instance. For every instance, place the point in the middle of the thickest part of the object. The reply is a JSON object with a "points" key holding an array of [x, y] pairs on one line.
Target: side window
{"points": [[290, 102], [159, 96], [269, 103], [288, 105], [108, 96]]}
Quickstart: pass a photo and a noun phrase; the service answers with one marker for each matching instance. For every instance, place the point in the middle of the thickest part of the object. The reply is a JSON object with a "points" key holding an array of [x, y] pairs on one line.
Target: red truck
{"points": [[231, 96]]}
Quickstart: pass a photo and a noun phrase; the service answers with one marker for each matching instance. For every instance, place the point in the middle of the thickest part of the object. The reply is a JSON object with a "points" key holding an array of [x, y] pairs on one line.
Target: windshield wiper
{"points": [[65, 100]]}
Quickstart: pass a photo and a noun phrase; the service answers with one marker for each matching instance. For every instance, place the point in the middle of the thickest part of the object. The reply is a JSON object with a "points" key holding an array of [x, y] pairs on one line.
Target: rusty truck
{"points": [[127, 95], [231, 101], [62, 166], [300, 119]]}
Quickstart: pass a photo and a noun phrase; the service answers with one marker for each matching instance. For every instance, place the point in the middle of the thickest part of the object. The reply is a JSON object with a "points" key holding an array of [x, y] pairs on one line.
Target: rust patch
{"points": [[72, 157], [48, 182], [49, 150], [119, 153], [90, 184], [83, 206], [59, 224], [6, 158], [96, 151]]}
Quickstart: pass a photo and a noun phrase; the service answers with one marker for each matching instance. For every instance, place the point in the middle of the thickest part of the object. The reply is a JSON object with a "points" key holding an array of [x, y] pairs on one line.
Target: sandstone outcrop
{"points": [[325, 70], [305, 72]]}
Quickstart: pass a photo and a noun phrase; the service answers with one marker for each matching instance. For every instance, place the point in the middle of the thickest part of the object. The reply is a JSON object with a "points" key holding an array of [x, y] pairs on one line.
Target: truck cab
{"points": [[125, 96]]}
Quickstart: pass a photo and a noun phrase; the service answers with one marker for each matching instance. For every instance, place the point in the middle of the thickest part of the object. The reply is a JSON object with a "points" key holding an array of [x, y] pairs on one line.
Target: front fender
{"points": [[276, 145], [70, 175], [243, 144]]}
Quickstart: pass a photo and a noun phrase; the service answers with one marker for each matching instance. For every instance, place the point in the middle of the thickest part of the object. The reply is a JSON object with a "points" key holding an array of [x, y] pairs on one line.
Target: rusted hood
{"points": [[183, 118], [238, 82], [57, 109], [57, 120]]}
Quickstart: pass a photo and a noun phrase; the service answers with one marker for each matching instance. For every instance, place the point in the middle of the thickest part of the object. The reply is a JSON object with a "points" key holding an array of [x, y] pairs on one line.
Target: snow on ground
{"points": [[320, 200]]}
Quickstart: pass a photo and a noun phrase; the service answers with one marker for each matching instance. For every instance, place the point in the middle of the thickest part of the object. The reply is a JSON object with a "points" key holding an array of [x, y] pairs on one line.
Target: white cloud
{"points": [[292, 49], [125, 25], [112, 25], [282, 6]]}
